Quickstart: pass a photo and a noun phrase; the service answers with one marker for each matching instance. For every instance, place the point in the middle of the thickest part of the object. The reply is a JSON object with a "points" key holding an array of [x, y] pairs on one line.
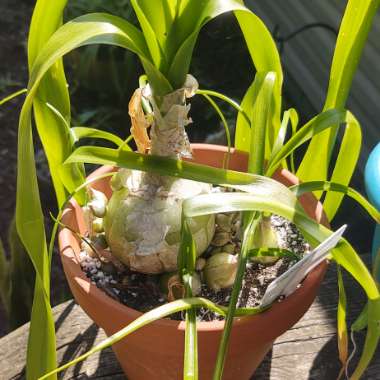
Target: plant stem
{"points": [[252, 222], [225, 98], [12, 96]]}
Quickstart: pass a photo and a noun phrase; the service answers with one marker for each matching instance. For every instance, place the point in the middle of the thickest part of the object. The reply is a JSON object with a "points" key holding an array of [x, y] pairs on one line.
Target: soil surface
{"points": [[145, 292]]}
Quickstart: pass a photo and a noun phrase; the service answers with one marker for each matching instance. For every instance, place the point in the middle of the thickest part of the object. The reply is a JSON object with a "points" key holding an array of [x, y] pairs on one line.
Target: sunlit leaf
{"points": [[12, 96], [342, 325], [150, 316], [353, 32], [86, 132], [332, 187], [261, 122]]}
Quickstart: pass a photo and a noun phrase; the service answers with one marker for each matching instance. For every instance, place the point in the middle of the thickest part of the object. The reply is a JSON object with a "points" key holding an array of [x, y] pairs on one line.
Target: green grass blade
{"points": [[307, 187], [294, 124], [262, 115], [356, 23], [243, 124], [53, 90], [344, 166], [97, 28], [86, 132], [41, 353], [190, 364], [175, 168], [256, 135], [341, 324], [12, 96], [186, 267], [42, 27], [225, 98], [372, 338], [248, 237], [361, 321], [292, 116], [265, 57], [315, 126], [194, 15], [148, 31], [160, 15], [225, 125], [145, 319]]}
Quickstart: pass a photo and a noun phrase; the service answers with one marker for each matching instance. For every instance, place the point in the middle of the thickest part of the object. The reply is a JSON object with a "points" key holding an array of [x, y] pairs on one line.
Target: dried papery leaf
{"points": [[168, 133], [139, 122]]}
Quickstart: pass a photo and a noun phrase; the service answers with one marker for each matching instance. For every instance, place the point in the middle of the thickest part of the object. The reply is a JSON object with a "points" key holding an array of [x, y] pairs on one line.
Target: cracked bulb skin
{"points": [[143, 221]]}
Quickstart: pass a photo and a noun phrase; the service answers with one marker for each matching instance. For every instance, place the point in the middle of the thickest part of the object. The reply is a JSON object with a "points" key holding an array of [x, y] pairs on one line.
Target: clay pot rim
{"points": [[73, 270]]}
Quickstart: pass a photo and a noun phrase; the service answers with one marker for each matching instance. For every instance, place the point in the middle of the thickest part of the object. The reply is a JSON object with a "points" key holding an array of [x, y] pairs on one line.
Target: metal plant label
{"points": [[288, 282]]}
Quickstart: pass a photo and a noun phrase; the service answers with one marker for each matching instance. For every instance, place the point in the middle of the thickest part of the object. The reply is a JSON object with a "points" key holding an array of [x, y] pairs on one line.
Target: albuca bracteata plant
{"points": [[157, 192]]}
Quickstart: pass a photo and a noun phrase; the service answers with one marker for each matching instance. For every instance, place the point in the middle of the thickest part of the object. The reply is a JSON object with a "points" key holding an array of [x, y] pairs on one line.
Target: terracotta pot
{"points": [[156, 351]]}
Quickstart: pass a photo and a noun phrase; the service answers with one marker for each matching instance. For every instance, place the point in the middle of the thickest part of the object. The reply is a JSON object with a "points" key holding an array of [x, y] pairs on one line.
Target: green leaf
{"points": [[30, 225], [315, 126], [272, 252], [86, 132], [307, 187], [361, 321], [225, 98], [53, 90], [256, 135], [252, 221], [243, 124], [187, 257], [262, 115], [192, 16], [98, 28], [190, 363], [41, 353], [353, 32], [344, 166], [151, 316], [292, 116], [149, 32], [177, 168], [12, 96], [225, 125], [160, 15], [342, 325], [187, 254]]}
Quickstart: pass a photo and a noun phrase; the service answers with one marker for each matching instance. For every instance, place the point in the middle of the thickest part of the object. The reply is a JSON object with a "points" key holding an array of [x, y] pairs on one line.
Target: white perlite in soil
{"points": [[142, 292]]}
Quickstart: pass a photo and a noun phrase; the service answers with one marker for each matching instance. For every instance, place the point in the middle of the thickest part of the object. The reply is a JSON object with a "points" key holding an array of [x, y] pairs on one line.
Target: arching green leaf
{"points": [[353, 32], [86, 132]]}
